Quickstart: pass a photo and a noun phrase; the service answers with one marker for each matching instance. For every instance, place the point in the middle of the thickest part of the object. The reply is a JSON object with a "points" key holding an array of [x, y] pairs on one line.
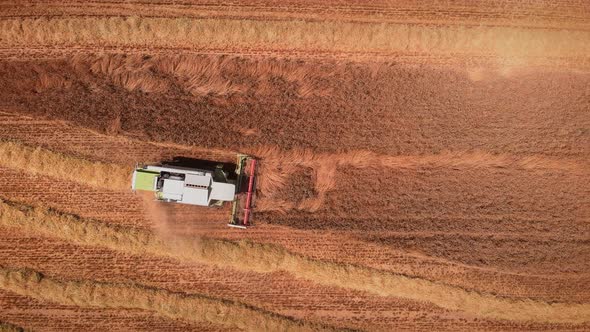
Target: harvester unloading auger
{"points": [[204, 183]]}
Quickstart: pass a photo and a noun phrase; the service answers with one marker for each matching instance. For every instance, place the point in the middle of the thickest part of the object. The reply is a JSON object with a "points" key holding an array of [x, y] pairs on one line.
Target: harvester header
{"points": [[204, 183]]}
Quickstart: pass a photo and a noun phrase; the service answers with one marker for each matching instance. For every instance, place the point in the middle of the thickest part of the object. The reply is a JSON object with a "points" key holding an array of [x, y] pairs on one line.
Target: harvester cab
{"points": [[208, 184]]}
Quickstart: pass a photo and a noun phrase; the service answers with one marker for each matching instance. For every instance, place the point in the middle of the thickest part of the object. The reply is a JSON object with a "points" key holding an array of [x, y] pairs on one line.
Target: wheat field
{"points": [[421, 165]]}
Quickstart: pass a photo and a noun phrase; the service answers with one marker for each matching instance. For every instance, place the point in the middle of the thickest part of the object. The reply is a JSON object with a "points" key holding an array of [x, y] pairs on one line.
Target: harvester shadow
{"points": [[223, 171], [192, 163]]}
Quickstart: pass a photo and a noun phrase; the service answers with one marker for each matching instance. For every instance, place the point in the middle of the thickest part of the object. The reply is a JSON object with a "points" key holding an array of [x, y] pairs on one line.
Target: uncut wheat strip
{"points": [[278, 165], [296, 35], [162, 302], [264, 258], [273, 157]]}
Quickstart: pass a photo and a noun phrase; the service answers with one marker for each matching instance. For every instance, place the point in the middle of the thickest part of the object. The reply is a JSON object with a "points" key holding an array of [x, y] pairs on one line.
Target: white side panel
{"points": [[197, 196], [223, 191], [174, 187], [174, 197]]}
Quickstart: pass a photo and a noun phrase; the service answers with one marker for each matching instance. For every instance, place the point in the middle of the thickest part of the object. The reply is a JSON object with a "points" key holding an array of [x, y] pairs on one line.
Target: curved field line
{"points": [[296, 35], [162, 302], [41, 161], [262, 258]]}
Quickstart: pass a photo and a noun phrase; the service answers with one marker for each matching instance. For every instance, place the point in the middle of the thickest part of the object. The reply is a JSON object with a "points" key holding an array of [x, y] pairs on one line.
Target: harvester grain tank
{"points": [[204, 186]]}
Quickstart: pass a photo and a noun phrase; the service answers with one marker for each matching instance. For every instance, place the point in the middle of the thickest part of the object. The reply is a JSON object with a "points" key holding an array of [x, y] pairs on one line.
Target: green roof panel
{"points": [[144, 180]]}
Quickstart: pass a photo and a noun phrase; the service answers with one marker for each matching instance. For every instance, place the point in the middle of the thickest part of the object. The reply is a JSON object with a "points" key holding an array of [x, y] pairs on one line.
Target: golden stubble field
{"points": [[421, 167]]}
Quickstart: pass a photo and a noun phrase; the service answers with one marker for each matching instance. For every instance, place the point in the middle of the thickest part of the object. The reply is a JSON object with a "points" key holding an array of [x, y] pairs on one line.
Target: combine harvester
{"points": [[210, 184]]}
